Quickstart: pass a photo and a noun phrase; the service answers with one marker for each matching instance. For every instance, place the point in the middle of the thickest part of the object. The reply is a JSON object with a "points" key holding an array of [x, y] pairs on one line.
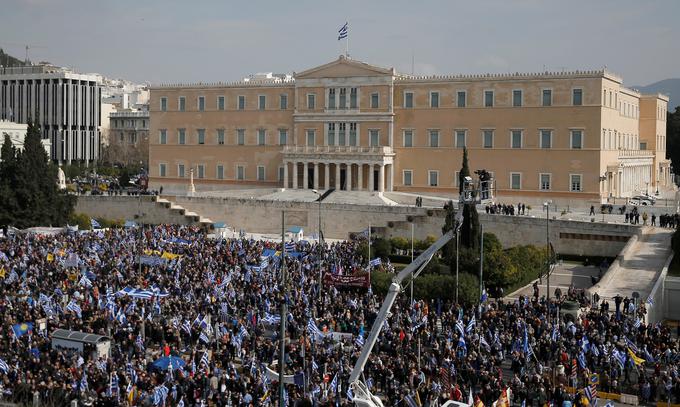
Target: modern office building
{"points": [[566, 136], [64, 103]]}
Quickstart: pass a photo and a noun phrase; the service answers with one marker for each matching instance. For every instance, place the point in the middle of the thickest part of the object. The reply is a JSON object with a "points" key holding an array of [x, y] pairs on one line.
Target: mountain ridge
{"points": [[669, 87]]}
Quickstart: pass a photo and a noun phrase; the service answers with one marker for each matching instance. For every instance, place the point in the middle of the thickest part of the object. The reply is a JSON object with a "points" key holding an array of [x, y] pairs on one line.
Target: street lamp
{"points": [[547, 250], [319, 239]]}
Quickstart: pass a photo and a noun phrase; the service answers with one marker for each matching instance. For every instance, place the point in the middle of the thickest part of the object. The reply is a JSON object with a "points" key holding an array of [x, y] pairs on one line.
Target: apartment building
{"points": [[348, 125]]}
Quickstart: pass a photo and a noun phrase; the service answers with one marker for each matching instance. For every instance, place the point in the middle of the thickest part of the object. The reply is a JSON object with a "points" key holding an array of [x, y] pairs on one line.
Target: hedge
{"points": [[432, 286]]}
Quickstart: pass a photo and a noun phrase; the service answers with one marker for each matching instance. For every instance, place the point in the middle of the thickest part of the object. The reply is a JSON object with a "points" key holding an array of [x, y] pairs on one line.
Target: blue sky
{"points": [[181, 41]]}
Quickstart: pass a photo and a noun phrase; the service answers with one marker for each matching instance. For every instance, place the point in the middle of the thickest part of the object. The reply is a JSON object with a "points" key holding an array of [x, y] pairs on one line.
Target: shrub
{"points": [[80, 219], [433, 286], [400, 243]]}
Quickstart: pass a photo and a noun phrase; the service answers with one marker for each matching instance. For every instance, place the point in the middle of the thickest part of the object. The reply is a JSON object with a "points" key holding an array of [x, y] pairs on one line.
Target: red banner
{"points": [[360, 280]]}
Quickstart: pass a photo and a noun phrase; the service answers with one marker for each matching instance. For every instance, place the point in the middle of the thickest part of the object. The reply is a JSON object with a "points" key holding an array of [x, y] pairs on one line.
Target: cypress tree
{"points": [[464, 171], [8, 174]]}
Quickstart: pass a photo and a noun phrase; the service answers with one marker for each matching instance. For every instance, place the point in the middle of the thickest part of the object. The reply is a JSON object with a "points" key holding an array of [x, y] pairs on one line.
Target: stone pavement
{"points": [[642, 267], [564, 275]]}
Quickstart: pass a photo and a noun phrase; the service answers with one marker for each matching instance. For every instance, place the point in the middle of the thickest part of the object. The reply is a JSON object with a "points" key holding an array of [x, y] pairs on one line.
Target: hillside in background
{"points": [[670, 87], [8, 60]]}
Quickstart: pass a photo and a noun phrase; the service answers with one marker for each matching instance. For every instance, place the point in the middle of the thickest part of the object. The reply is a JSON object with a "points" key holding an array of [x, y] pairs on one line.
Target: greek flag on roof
{"points": [[343, 31]]}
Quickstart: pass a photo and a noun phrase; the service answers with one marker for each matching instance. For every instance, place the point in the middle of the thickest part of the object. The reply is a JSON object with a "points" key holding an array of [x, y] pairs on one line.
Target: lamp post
{"points": [[547, 251], [319, 248], [412, 227]]}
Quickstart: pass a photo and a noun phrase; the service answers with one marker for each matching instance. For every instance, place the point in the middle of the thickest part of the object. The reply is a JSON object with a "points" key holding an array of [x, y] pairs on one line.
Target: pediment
{"points": [[344, 68]]}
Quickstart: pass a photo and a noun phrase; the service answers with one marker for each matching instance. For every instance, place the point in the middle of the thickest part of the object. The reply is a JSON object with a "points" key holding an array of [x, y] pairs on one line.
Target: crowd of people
{"points": [[505, 209], [209, 308]]}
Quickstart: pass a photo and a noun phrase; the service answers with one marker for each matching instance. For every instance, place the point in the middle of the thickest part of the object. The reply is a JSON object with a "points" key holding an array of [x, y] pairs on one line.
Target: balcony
{"points": [[381, 154], [129, 114], [636, 153]]}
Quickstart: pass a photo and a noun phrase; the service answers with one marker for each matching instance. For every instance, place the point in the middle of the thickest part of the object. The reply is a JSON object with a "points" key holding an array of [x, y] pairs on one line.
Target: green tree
{"points": [[8, 181], [464, 171], [36, 189]]}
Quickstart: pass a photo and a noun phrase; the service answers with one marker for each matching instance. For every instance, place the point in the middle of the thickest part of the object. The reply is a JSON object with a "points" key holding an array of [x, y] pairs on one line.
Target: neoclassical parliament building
{"points": [[348, 125]]}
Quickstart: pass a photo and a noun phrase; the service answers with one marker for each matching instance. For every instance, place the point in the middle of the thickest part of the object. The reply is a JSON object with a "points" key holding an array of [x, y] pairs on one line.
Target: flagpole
{"points": [[369, 246], [282, 349]]}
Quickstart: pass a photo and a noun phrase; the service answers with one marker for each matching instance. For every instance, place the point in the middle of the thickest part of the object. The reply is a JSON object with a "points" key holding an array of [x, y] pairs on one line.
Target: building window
{"points": [[241, 137], [220, 103], [515, 180], [353, 98], [460, 138], [408, 177], [461, 97], [433, 177], [201, 171], [408, 138], [517, 98], [261, 137], [456, 178], [280, 174], [488, 138], [374, 136], [488, 98], [434, 138], [577, 97], [241, 102], [220, 172], [353, 135], [262, 102], [547, 97], [643, 146], [283, 102], [201, 103], [434, 99], [311, 101], [516, 138], [546, 138], [164, 104], [220, 136], [375, 99], [544, 182], [331, 99], [283, 137], [201, 136], [260, 173], [341, 134], [161, 169], [163, 136], [331, 134], [343, 98], [180, 170], [182, 104], [181, 137], [575, 183], [240, 172], [311, 135], [408, 100], [576, 139]]}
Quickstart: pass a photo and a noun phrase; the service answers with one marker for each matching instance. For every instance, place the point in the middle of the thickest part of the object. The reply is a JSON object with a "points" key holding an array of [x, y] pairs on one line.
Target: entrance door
{"points": [[376, 174], [343, 179], [310, 178]]}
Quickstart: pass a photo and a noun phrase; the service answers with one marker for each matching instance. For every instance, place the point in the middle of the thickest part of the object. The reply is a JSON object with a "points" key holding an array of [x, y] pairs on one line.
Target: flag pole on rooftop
{"points": [[343, 34]]}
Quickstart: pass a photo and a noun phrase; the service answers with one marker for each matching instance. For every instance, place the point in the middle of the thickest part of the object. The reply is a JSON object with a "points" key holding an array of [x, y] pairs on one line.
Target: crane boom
{"points": [[394, 289]]}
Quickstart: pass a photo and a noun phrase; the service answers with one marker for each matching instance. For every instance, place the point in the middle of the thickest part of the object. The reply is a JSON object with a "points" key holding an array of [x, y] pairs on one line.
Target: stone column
{"points": [[360, 176], [371, 182], [326, 175], [295, 175], [381, 178], [337, 177], [390, 183], [316, 176], [285, 174], [348, 176], [305, 175]]}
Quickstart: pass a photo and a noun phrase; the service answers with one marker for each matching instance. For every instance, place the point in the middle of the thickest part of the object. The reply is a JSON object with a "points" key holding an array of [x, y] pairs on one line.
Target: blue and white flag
{"points": [[203, 337], [471, 325], [132, 373], [484, 296], [650, 301], [343, 31], [85, 282], [83, 382], [631, 345], [314, 365], [582, 360], [74, 307], [375, 262], [204, 360], [113, 386], [637, 323], [94, 224], [460, 327], [359, 341], [4, 367], [334, 383], [313, 330]]}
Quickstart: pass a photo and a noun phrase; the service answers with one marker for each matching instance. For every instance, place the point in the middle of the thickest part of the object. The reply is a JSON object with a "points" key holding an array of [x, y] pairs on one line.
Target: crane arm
{"points": [[394, 289]]}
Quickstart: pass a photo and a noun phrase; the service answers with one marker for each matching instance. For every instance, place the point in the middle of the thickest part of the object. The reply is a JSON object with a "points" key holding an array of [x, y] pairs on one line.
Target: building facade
{"points": [[352, 126], [17, 135], [64, 103], [128, 141]]}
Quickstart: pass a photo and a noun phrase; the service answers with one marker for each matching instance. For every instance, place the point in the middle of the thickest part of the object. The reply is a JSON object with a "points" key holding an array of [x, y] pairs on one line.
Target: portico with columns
{"points": [[357, 169]]}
